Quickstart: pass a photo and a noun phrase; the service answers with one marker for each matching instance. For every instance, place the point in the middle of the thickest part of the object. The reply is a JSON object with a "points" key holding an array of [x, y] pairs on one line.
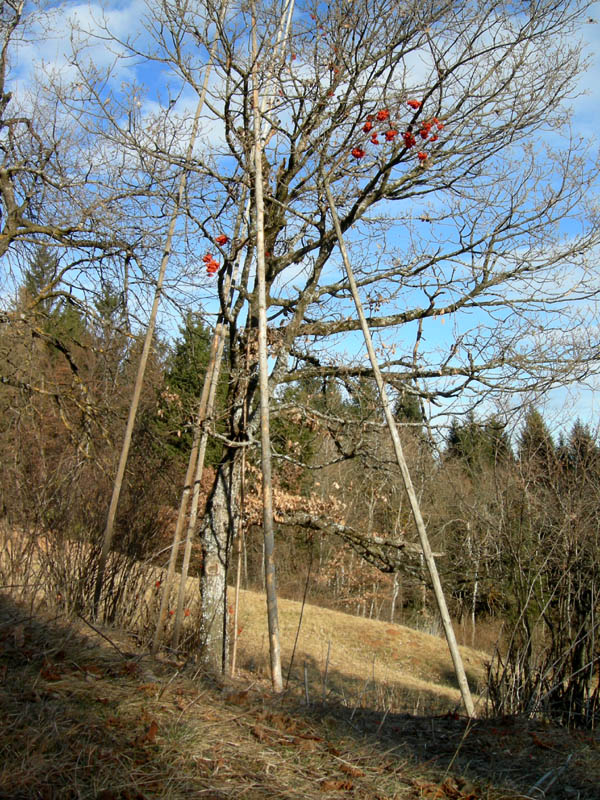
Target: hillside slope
{"points": [[388, 666], [86, 715]]}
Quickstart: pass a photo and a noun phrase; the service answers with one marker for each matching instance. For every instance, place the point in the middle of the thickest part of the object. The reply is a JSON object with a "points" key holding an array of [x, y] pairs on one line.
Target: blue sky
{"points": [[50, 52]]}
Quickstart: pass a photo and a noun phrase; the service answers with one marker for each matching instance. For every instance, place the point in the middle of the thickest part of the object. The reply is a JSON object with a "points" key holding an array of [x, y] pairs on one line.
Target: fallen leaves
{"points": [[354, 772], [260, 733], [50, 672], [450, 789], [149, 736], [336, 786]]}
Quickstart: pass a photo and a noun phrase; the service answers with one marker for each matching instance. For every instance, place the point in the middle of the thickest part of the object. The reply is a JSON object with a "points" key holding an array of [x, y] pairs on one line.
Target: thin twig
{"points": [[306, 685], [326, 670], [110, 641], [383, 719], [287, 682], [554, 774], [191, 703]]}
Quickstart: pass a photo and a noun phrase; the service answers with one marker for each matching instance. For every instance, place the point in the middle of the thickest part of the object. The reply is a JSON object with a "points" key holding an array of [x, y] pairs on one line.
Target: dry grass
{"points": [[351, 660], [89, 714], [358, 661], [84, 718]]}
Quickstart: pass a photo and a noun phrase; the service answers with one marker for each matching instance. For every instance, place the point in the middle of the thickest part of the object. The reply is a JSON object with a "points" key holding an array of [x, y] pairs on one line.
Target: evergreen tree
{"points": [[39, 282], [52, 310], [478, 444], [408, 408], [582, 452], [184, 378], [535, 445]]}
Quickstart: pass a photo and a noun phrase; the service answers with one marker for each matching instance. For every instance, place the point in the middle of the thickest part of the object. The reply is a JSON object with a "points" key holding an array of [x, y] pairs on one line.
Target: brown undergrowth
{"points": [[88, 715]]}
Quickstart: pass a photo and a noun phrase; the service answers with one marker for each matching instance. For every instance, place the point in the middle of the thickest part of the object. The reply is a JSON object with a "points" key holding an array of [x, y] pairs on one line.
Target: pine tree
{"points": [[184, 379], [535, 445], [51, 309], [478, 444]]}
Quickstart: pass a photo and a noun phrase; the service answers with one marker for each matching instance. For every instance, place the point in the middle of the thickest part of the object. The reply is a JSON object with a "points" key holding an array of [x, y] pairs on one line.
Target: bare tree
{"points": [[463, 231], [464, 199]]}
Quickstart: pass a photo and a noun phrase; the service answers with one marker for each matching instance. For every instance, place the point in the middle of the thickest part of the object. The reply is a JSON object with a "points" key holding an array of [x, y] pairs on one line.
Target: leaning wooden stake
{"points": [[414, 503], [240, 530], [267, 487], [185, 495], [139, 381], [212, 379]]}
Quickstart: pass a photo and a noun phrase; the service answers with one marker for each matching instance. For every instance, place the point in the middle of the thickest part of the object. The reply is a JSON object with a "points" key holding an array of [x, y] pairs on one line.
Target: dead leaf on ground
{"points": [[260, 733], [355, 772], [148, 688], [306, 745], [151, 732], [336, 786], [448, 790], [50, 673], [237, 698]]}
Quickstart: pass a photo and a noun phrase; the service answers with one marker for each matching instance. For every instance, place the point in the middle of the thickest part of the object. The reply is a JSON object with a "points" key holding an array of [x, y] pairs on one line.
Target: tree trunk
{"points": [[219, 524]]}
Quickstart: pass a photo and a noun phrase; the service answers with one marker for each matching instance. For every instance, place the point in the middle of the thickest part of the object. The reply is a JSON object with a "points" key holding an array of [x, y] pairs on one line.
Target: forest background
{"points": [[469, 204]]}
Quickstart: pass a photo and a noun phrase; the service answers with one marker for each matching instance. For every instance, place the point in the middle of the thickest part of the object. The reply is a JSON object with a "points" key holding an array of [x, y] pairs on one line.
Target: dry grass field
{"points": [[87, 713], [353, 660]]}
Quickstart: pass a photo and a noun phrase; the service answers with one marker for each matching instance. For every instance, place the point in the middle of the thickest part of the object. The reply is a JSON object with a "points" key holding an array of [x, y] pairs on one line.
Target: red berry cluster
{"points": [[212, 266], [427, 132]]}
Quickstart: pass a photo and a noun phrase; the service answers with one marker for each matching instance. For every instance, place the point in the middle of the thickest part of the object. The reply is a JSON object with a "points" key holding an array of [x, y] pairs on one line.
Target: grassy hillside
{"points": [[88, 715], [373, 663]]}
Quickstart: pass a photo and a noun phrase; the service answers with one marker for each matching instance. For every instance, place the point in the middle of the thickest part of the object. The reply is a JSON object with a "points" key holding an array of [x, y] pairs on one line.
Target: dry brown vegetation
{"points": [[354, 660], [88, 714]]}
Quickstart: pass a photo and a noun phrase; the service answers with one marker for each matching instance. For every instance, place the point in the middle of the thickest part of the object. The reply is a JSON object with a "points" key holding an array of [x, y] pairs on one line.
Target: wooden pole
{"points": [[267, 486], [240, 532], [412, 496], [139, 381]]}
